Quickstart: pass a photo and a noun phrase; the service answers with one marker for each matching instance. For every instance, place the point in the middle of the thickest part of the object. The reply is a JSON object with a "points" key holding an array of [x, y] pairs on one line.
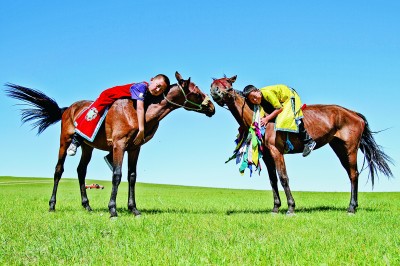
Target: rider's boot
{"points": [[309, 143], [76, 142]]}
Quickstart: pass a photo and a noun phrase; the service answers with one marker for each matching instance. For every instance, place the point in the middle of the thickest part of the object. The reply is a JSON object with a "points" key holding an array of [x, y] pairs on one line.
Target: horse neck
{"points": [[156, 112], [241, 111]]}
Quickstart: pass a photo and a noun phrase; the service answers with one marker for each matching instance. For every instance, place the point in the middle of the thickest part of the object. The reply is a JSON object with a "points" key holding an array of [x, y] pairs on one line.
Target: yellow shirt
{"points": [[281, 96]]}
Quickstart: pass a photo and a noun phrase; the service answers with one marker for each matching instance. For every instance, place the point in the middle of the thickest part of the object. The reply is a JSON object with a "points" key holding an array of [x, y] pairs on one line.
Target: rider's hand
{"points": [[139, 138], [264, 121]]}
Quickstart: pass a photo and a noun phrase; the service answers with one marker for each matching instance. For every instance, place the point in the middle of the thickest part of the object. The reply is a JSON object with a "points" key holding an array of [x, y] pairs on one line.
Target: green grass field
{"points": [[193, 226]]}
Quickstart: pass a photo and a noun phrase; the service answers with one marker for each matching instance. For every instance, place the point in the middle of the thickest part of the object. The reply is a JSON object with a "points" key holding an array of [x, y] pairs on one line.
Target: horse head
{"points": [[222, 90], [187, 94], [223, 93]]}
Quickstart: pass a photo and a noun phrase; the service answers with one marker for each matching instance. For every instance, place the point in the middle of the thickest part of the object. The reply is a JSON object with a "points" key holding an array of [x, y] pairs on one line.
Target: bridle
{"points": [[227, 91], [204, 103]]}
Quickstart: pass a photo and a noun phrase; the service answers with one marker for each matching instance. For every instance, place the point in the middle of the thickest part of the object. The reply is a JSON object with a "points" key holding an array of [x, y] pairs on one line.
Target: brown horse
{"points": [[115, 135], [346, 131]]}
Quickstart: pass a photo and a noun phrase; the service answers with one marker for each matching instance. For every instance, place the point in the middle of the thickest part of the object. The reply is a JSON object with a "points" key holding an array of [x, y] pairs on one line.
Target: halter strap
{"points": [[199, 106]]}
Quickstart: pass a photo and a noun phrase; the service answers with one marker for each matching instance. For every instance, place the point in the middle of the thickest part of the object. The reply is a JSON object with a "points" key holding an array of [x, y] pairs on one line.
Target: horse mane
{"points": [[239, 92]]}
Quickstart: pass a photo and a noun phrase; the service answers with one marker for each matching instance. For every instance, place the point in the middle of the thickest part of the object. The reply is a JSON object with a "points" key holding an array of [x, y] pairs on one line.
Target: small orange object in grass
{"points": [[94, 186]]}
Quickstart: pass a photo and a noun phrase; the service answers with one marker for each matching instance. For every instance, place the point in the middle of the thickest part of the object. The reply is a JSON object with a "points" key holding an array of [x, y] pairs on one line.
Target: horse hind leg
{"points": [[347, 155], [82, 170], [62, 153]]}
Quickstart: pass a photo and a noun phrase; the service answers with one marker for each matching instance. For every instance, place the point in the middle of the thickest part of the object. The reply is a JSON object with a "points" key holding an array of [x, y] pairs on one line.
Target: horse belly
{"points": [[100, 142]]}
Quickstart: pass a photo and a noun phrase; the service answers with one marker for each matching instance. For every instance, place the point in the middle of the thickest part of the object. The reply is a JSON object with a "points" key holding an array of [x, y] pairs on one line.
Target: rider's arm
{"points": [[270, 116]]}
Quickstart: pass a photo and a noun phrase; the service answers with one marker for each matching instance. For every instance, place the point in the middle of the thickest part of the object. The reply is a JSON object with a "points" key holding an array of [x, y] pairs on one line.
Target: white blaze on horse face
{"points": [[206, 100]]}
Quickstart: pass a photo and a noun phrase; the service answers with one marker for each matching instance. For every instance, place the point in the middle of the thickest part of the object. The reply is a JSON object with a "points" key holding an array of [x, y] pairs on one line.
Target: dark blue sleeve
{"points": [[138, 91]]}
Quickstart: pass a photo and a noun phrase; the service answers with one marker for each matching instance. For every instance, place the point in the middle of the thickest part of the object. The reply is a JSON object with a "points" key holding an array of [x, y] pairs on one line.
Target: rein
{"points": [[199, 106]]}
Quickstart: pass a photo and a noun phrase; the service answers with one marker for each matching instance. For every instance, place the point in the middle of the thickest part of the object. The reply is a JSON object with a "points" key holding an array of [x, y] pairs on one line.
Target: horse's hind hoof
{"points": [[290, 214], [134, 211]]}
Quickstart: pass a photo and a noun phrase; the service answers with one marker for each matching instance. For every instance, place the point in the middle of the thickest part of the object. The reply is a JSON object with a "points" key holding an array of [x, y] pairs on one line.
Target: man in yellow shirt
{"points": [[287, 110]]}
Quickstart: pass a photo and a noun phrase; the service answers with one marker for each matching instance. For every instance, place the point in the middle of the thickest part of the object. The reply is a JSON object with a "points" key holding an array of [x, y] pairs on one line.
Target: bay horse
{"points": [[116, 134], [344, 130]]}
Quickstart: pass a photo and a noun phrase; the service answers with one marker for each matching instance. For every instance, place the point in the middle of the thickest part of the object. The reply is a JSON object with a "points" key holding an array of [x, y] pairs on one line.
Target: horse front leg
{"points": [[82, 169], [273, 179], [132, 174], [118, 155], [283, 177]]}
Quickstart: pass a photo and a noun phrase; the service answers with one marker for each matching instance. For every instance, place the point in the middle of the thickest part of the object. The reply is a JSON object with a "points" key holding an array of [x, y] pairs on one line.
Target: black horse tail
{"points": [[376, 159], [43, 111]]}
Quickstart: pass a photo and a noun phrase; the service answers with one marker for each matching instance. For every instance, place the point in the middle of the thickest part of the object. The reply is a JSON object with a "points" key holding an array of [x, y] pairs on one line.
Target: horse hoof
{"points": [[113, 218], [134, 211], [52, 207], [290, 214], [275, 210], [351, 211], [113, 214], [88, 209]]}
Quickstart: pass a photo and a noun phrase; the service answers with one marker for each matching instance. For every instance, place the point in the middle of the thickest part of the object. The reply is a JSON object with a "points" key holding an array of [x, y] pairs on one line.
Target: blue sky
{"points": [[332, 52]]}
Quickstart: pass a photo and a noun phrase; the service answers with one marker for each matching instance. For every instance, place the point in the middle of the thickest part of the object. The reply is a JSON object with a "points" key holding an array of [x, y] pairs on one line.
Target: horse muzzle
{"points": [[208, 106]]}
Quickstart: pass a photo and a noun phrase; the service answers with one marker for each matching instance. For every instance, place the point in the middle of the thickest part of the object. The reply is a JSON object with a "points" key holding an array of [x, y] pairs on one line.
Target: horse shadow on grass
{"points": [[314, 209], [158, 211]]}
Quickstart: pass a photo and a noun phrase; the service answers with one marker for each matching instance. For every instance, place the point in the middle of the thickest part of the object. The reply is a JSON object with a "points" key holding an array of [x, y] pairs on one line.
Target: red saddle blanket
{"points": [[88, 122]]}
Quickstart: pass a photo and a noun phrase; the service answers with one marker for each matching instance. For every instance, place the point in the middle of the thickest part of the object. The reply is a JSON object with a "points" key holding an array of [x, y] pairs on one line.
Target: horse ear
{"points": [[178, 76], [232, 79], [185, 83]]}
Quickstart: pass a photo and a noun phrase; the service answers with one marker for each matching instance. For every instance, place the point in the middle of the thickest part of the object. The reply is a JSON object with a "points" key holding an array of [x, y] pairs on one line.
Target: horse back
{"points": [[324, 122]]}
